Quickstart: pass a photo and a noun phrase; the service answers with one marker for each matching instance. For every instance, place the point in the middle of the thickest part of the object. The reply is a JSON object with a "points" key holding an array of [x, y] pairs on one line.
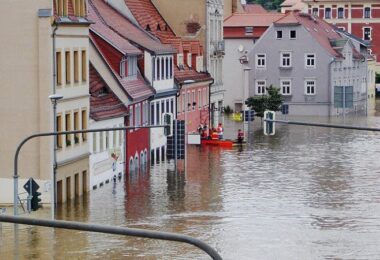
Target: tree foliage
{"points": [[268, 4], [272, 101]]}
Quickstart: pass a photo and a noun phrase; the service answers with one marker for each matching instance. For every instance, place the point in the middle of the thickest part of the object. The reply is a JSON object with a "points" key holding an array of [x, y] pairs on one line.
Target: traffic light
{"points": [[36, 201], [269, 127], [168, 122], [249, 115]]}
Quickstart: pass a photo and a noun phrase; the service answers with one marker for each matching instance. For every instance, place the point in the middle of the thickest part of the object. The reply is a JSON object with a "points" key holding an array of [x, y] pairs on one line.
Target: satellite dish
{"points": [[241, 48]]}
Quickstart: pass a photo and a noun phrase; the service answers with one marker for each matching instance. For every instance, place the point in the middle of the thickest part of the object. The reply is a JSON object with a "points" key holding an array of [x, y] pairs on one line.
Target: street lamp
{"points": [[54, 99]]}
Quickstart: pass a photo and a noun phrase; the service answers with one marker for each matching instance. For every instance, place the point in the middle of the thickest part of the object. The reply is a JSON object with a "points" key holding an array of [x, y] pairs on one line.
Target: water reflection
{"points": [[305, 193]]}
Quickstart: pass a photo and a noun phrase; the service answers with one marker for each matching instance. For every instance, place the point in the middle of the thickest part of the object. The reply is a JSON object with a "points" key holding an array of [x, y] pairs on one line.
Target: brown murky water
{"points": [[305, 193]]}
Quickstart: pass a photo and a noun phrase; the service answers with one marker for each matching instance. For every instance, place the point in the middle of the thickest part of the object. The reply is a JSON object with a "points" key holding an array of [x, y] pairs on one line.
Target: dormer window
{"points": [[180, 61], [158, 27], [147, 28], [128, 67], [189, 59], [103, 91]]}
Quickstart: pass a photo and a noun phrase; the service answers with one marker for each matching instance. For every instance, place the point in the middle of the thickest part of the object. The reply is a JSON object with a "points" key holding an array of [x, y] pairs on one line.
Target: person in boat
{"points": [[219, 130], [204, 132], [214, 134], [240, 136]]}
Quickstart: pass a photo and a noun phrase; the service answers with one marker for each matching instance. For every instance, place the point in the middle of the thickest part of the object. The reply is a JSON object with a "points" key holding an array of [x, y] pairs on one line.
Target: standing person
{"points": [[214, 134], [240, 136], [220, 131]]}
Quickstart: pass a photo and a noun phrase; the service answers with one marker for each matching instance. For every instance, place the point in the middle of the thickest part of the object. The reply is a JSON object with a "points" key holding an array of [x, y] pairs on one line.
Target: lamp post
{"points": [[54, 99]]}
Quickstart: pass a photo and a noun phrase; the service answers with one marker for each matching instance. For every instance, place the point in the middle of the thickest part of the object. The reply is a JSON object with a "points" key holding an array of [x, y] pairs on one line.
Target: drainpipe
{"points": [[330, 85], [209, 102]]}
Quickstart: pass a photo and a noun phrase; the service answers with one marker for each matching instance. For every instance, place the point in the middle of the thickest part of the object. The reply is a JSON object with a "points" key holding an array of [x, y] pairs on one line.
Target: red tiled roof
{"points": [[109, 35], [127, 29], [146, 14], [136, 89], [254, 9], [258, 20], [103, 106], [320, 30]]}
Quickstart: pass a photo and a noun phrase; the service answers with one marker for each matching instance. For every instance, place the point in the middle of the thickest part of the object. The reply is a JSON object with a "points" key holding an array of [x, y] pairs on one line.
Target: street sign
{"points": [[269, 127], [31, 186], [176, 142]]}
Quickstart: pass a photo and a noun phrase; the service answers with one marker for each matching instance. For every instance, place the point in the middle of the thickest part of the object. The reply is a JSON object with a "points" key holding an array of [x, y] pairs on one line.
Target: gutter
{"points": [[330, 85]]}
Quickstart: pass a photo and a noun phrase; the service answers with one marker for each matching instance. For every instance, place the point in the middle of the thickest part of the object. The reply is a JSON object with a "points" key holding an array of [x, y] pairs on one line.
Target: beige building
{"points": [[27, 65], [203, 20]]}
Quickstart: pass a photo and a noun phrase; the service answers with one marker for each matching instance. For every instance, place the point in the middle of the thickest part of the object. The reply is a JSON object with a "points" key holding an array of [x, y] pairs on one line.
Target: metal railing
{"points": [[114, 230], [323, 125]]}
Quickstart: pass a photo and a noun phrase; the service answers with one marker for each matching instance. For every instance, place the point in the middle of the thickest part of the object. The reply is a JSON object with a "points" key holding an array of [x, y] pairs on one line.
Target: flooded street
{"points": [[305, 193]]}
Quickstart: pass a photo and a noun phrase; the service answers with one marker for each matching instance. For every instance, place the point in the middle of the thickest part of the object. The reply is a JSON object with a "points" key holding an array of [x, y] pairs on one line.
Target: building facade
{"points": [[358, 17], [241, 31], [309, 61], [56, 63]]}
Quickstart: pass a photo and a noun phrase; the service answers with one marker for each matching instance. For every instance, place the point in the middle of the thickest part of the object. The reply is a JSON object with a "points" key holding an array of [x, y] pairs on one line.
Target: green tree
{"points": [[272, 101]]}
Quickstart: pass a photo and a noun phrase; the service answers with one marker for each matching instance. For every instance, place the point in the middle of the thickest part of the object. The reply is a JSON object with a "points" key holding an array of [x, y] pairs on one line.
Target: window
{"points": [[279, 34], [131, 119], [62, 7], [167, 67], [158, 69], [286, 61], [340, 13], [94, 142], [76, 127], [68, 128], [172, 106], [107, 139], [260, 60], [137, 115], [249, 30], [132, 66], [286, 87], [76, 67], [171, 67], [152, 114], [162, 68], [327, 13], [101, 144], [367, 33], [84, 125], [84, 66], [157, 113], [199, 99], [193, 99], [310, 87], [59, 68], [261, 87], [59, 129], [310, 61], [123, 67], [68, 67], [315, 11], [293, 34], [367, 12]]}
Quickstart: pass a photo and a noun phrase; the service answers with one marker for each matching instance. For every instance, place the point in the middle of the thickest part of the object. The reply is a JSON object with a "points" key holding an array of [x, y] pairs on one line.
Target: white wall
{"points": [[101, 161]]}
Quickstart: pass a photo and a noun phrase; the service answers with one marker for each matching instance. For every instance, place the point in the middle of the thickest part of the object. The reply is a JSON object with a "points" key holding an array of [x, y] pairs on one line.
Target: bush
{"points": [[228, 110]]}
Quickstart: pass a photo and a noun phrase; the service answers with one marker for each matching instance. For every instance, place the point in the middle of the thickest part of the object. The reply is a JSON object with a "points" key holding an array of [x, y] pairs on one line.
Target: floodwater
{"points": [[305, 193]]}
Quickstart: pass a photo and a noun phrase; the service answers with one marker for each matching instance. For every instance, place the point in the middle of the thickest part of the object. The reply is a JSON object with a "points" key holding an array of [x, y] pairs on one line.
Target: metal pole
{"points": [[54, 177], [114, 230], [15, 161]]}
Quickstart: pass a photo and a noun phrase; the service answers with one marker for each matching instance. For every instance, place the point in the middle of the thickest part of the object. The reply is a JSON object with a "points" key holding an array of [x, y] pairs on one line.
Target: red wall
{"points": [[198, 115], [239, 32], [136, 140]]}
